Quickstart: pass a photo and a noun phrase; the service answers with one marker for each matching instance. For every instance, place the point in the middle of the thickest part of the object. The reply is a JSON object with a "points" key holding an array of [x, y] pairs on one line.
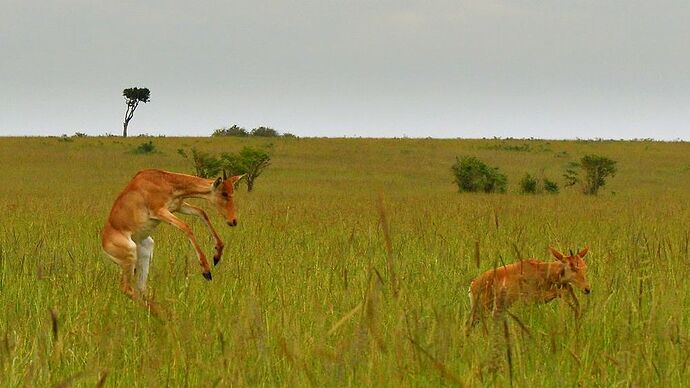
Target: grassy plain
{"points": [[305, 292]]}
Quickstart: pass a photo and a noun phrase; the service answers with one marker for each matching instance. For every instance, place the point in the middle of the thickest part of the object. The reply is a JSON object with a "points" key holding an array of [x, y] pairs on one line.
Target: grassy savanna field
{"points": [[307, 293]]}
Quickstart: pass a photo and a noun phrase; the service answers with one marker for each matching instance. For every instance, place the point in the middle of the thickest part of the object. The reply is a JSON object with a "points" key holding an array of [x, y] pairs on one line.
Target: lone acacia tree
{"points": [[133, 96], [596, 170]]}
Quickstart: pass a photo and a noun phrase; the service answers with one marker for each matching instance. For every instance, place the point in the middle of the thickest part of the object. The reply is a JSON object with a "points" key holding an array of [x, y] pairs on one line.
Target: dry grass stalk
{"points": [[509, 356], [344, 319], [371, 310], [68, 381], [389, 246], [221, 340], [442, 368], [522, 326], [54, 323], [477, 260], [101, 378], [296, 361]]}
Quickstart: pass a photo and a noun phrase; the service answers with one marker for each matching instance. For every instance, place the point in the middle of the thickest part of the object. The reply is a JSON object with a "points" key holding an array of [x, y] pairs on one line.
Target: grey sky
{"points": [[552, 69]]}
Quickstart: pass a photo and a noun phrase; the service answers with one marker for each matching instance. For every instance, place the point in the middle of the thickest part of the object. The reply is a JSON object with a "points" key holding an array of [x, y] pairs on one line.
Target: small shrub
{"points": [[145, 148], [532, 185], [528, 184], [473, 175], [550, 186], [289, 135], [79, 134]]}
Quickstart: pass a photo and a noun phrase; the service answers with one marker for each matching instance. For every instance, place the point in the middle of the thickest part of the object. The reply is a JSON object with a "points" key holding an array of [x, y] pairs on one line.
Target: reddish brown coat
{"points": [[531, 281]]}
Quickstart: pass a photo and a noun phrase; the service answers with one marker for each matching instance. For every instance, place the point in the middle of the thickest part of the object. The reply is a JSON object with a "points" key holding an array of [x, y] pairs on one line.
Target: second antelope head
{"points": [[574, 269]]}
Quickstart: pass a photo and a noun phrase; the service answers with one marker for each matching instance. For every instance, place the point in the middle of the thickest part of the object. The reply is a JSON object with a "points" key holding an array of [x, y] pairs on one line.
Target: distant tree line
{"points": [[238, 131]]}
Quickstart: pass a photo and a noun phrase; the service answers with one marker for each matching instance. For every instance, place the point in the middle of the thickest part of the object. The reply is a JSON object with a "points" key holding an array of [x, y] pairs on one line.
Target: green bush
{"points": [[528, 184], [531, 185], [473, 175], [145, 148]]}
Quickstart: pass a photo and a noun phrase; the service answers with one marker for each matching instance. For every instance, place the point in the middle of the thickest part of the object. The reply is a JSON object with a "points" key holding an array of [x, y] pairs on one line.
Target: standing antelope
{"points": [[529, 280], [153, 196]]}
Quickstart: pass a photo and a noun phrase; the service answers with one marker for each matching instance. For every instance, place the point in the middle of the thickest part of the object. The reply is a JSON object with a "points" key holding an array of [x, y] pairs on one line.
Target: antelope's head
{"points": [[574, 269], [222, 196]]}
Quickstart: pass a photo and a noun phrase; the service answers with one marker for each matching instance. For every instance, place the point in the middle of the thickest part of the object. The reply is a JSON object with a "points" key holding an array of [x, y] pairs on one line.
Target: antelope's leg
{"points": [[144, 256], [195, 211], [165, 215], [123, 251], [500, 299], [550, 295], [474, 303], [571, 299]]}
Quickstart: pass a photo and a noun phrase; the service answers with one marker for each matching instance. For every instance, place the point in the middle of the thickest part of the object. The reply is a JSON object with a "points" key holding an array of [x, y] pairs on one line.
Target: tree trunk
{"points": [[131, 107], [250, 184]]}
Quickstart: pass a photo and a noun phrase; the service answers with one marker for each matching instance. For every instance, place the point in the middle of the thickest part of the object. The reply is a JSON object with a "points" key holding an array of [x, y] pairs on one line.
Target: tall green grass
{"points": [[350, 266]]}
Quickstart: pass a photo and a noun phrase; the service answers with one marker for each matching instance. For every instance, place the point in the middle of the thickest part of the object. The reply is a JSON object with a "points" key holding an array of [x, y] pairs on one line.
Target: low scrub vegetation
{"points": [[532, 185], [473, 175], [145, 148]]}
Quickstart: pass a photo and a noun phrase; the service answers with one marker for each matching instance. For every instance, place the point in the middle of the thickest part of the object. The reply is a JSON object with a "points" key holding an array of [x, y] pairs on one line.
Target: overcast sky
{"points": [[521, 68]]}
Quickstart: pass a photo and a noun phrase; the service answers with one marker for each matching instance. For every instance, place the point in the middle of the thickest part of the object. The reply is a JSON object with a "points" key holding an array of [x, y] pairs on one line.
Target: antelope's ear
{"points": [[236, 179], [217, 183], [583, 252], [556, 254]]}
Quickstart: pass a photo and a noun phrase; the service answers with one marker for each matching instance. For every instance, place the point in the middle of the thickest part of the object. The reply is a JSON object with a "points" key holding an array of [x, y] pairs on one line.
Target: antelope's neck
{"points": [[187, 186], [553, 272]]}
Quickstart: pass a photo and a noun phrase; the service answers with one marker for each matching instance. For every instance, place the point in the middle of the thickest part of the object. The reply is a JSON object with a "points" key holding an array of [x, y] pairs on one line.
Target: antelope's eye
{"points": [[224, 194]]}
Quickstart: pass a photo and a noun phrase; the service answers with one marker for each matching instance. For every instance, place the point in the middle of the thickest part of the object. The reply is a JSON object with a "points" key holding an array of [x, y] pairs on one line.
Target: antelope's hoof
{"points": [[216, 260], [207, 275]]}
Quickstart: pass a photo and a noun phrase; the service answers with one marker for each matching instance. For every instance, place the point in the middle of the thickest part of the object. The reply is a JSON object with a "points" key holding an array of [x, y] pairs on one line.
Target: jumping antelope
{"points": [[153, 196]]}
